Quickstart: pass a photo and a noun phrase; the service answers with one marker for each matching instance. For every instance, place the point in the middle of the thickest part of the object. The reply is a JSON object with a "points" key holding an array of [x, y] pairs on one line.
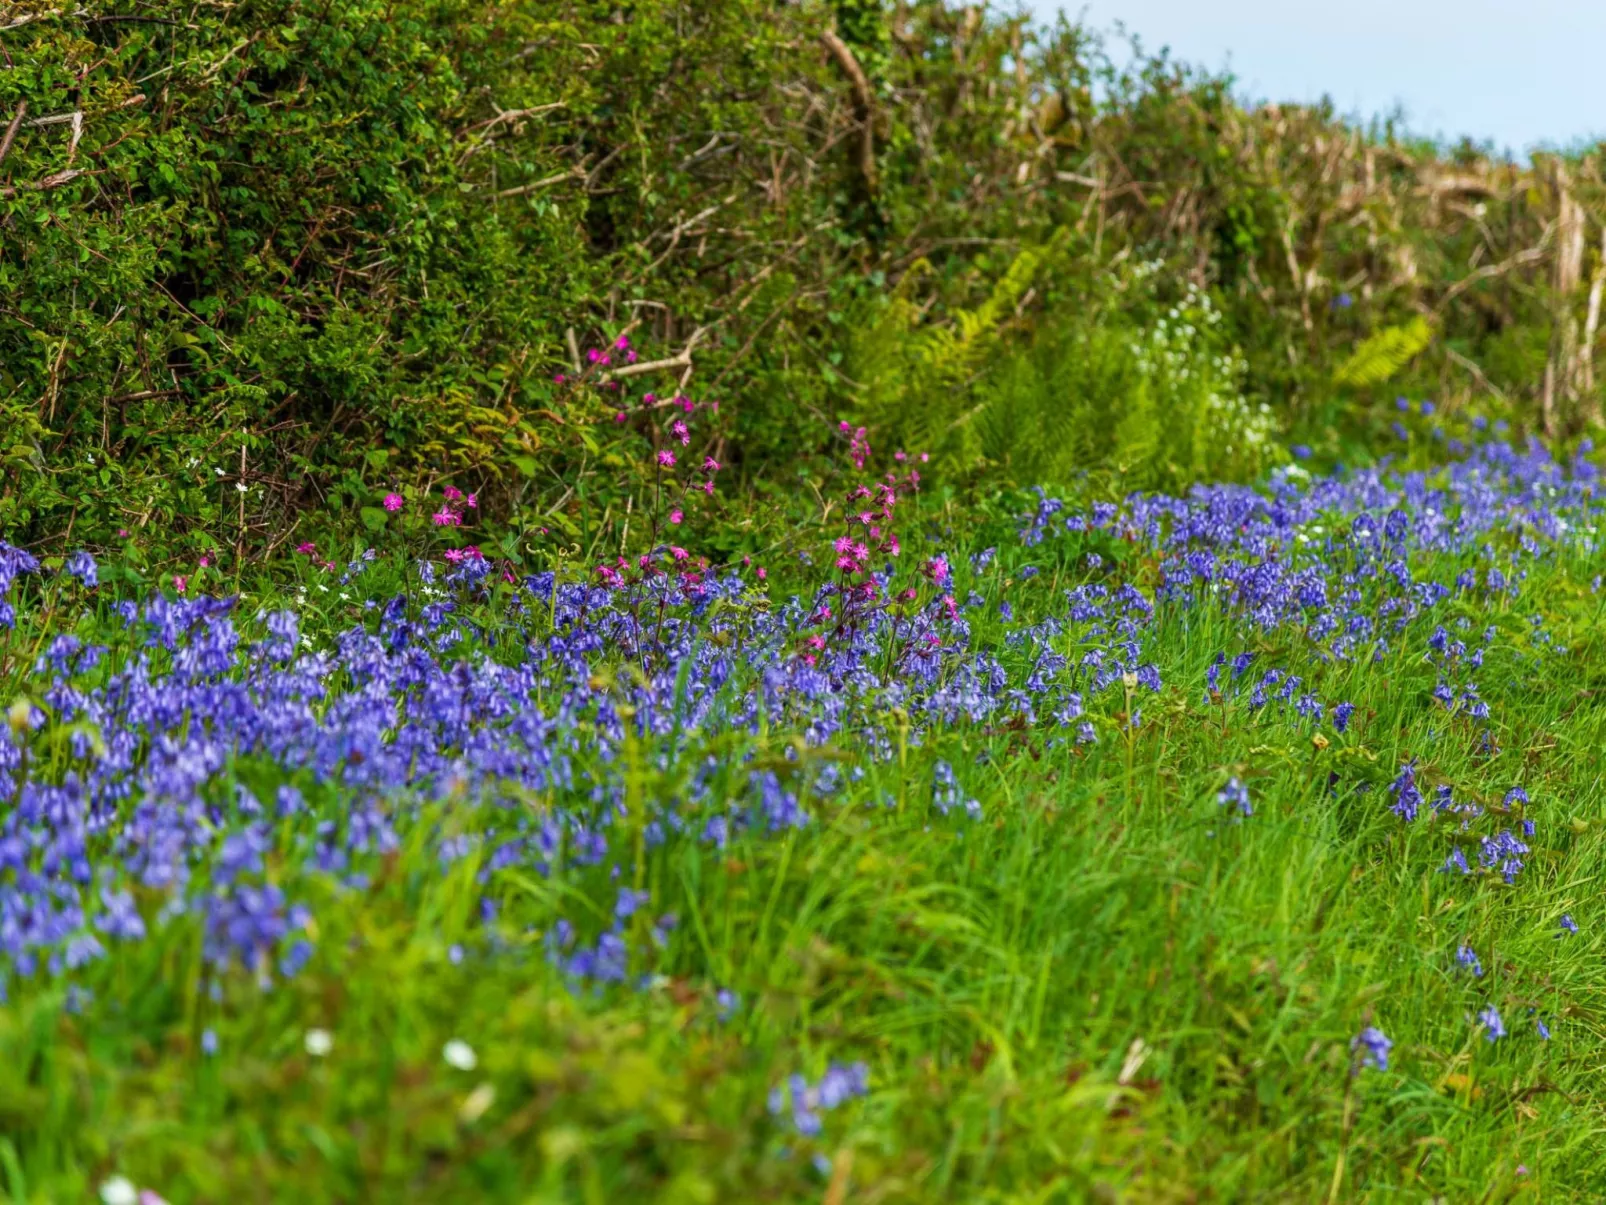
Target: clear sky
{"points": [[1521, 73]]}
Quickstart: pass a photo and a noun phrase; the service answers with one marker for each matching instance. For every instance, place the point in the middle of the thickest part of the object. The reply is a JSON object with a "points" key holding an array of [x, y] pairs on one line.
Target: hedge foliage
{"points": [[262, 261]]}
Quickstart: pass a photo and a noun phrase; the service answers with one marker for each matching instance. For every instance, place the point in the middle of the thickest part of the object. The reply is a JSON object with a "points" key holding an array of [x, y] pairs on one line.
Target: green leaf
{"points": [[1380, 357]]}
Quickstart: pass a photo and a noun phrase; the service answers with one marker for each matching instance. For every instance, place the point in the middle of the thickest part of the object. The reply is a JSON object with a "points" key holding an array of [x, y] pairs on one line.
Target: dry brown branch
{"points": [[1592, 325], [1477, 373], [11, 130], [681, 360], [510, 115], [54, 180], [863, 104], [1528, 256], [574, 173]]}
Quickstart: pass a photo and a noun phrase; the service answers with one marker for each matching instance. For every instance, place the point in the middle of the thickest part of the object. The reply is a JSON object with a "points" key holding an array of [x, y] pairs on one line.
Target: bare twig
{"points": [[11, 130], [681, 361], [54, 180], [574, 173], [29, 20], [1531, 255], [1477, 373], [511, 115], [863, 104]]}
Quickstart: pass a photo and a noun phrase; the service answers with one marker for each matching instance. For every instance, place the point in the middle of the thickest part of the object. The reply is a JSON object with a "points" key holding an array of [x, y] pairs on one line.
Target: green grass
{"points": [[1105, 989]]}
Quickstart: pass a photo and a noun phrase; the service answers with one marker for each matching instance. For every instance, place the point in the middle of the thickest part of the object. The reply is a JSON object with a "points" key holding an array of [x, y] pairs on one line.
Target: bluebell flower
{"points": [[82, 566], [1374, 1047], [1235, 794], [1493, 1027]]}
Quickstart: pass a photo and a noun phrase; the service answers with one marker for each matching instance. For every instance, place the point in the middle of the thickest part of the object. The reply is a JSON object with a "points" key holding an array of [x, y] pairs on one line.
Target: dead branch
{"points": [[682, 360], [511, 115], [11, 130], [574, 173], [55, 180], [863, 104], [1531, 255]]}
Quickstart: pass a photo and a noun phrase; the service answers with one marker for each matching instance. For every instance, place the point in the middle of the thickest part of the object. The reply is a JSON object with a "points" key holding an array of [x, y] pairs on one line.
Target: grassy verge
{"points": [[1077, 904]]}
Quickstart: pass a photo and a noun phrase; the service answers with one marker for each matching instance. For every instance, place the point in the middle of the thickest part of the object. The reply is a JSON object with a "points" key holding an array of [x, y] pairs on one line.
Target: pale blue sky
{"points": [[1520, 73]]}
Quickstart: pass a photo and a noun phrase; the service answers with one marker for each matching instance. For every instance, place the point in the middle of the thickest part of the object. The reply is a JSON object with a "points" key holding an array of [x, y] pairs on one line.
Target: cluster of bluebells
{"points": [[799, 1104], [403, 710]]}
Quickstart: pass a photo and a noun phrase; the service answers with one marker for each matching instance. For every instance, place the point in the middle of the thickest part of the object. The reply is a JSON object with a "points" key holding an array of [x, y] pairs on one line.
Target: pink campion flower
{"points": [[746, 561], [122, 533], [306, 547], [630, 356], [816, 642], [452, 493], [951, 607], [205, 561], [609, 576], [810, 660], [762, 573], [708, 488], [900, 456], [844, 425], [180, 582], [393, 502], [676, 515], [866, 517], [710, 465], [908, 595], [620, 417], [843, 544], [643, 560], [684, 402], [445, 518], [681, 432], [594, 356], [680, 554], [937, 569], [328, 566], [892, 545], [861, 491], [473, 553], [925, 456], [666, 458], [622, 342], [453, 556], [604, 359], [847, 564], [473, 502], [649, 399]]}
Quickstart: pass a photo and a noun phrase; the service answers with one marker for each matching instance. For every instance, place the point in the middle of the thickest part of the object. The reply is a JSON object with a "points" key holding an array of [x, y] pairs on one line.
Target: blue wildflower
{"points": [[1374, 1047]]}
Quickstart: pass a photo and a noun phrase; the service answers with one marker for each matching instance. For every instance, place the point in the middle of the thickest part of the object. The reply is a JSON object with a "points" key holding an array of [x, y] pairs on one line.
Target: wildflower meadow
{"points": [[1239, 845]]}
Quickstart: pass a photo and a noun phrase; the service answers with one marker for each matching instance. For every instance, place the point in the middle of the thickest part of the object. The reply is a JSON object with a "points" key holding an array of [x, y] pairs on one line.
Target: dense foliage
{"points": [[262, 262]]}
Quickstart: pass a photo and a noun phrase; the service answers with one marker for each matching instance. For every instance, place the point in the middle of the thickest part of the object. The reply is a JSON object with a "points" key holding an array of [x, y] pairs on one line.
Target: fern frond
{"points": [[1381, 356]]}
